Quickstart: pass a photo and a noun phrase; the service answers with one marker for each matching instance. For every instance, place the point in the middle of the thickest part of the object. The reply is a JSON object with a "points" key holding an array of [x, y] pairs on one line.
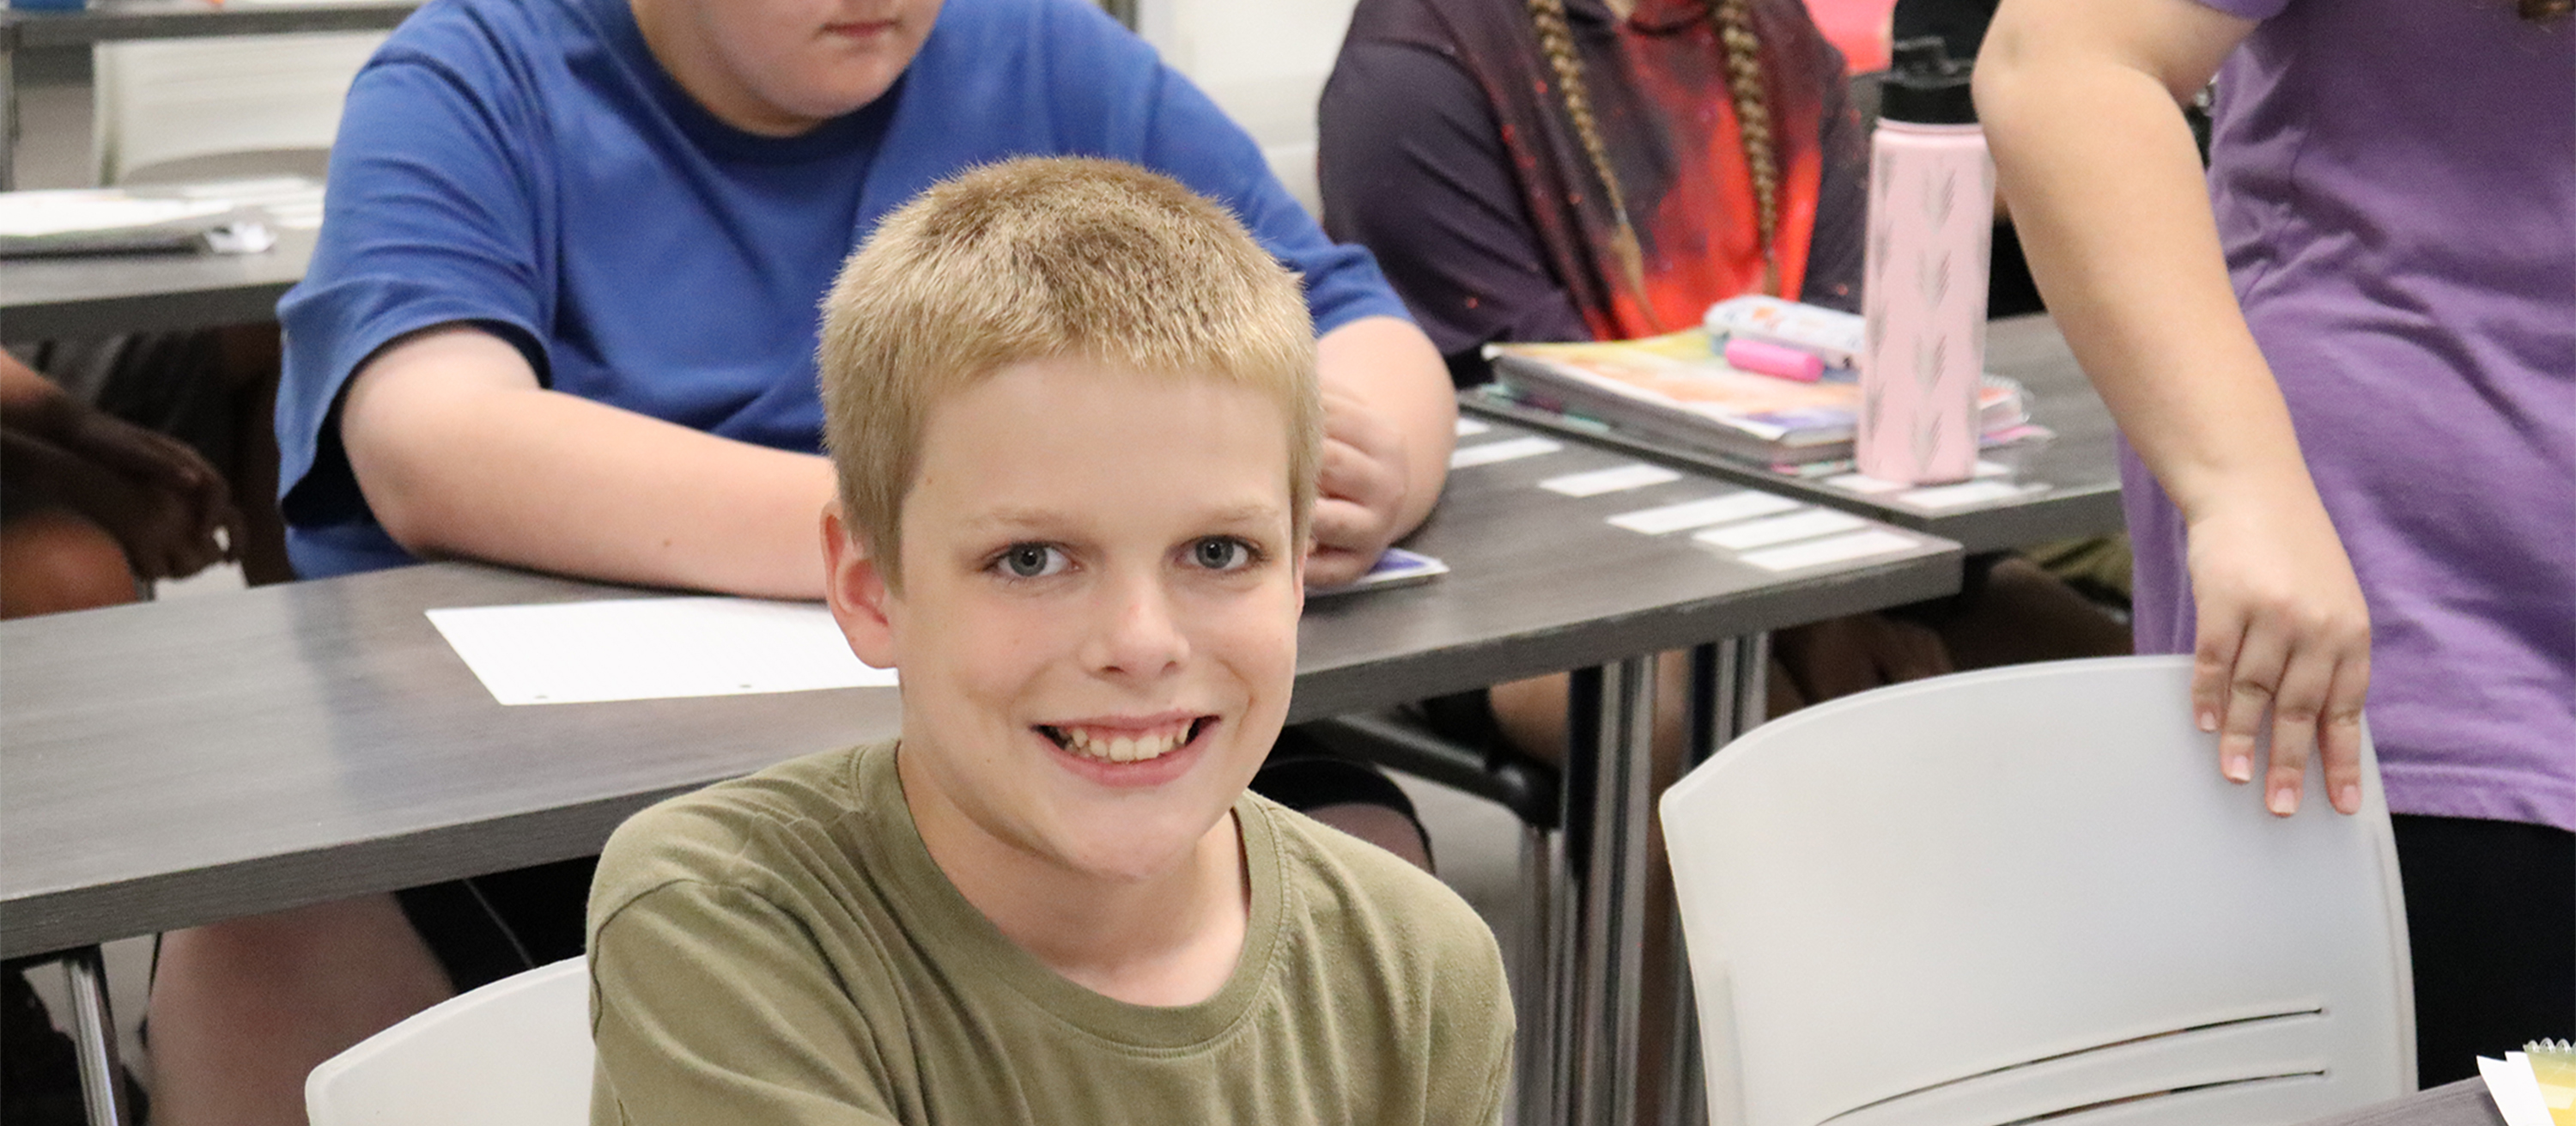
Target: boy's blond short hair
{"points": [[1046, 258]]}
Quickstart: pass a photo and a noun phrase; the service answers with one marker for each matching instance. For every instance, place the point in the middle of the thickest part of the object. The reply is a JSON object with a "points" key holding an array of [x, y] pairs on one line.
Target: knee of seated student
{"points": [[1379, 825], [307, 948], [1532, 714], [54, 559]]}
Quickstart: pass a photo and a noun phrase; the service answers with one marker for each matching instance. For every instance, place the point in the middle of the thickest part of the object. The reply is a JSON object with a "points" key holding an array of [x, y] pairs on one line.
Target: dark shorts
{"points": [[487, 928], [2491, 915]]}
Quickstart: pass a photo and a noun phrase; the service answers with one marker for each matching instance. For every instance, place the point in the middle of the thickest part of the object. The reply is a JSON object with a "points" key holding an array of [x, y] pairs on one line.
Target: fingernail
{"points": [[2283, 802], [2208, 721], [2348, 798], [2238, 768]]}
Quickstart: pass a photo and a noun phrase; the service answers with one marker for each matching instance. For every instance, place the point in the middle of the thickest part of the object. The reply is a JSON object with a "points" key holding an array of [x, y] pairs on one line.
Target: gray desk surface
{"points": [[102, 295], [2079, 466], [172, 764], [109, 20], [2464, 1103]]}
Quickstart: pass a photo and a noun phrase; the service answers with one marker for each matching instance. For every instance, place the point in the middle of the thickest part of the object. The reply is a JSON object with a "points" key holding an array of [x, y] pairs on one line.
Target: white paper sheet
{"points": [[652, 649], [31, 214], [1615, 479], [1857, 545], [1469, 428], [1701, 513], [2515, 1091], [1781, 529], [1509, 449], [1940, 497]]}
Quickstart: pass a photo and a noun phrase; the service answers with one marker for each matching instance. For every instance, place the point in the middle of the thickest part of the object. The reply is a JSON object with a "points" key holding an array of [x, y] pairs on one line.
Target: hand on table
{"points": [[2282, 627], [167, 532], [1363, 483], [163, 504]]}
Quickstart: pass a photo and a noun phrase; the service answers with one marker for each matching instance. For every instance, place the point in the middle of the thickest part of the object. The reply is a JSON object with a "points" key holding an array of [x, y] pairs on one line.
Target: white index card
{"points": [[1858, 545], [1861, 483], [1781, 529], [1702, 513], [2515, 1089], [1509, 449], [1964, 494], [652, 649], [1617, 478]]}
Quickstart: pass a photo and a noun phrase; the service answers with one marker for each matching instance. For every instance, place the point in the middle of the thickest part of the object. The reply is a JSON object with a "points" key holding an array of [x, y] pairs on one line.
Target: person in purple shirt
{"points": [[562, 316], [2347, 369]]}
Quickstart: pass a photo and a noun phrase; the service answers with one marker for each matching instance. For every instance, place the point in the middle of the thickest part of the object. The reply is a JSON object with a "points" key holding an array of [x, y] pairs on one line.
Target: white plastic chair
{"points": [[2027, 894], [274, 97], [1264, 62], [513, 1053]]}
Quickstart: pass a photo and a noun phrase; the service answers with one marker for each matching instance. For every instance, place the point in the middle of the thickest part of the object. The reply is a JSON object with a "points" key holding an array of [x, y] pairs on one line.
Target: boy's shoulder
{"points": [[1375, 905], [749, 832]]}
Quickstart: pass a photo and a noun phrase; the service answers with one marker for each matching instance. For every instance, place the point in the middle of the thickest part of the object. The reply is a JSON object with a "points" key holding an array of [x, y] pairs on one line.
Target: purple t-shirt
{"points": [[2395, 183]]}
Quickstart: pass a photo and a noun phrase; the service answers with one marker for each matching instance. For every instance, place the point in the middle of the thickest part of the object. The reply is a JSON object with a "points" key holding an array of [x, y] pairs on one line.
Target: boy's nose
{"points": [[1139, 634]]}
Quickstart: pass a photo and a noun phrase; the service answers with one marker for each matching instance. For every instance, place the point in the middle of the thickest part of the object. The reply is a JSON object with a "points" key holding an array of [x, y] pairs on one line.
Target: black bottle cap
{"points": [[1926, 86]]}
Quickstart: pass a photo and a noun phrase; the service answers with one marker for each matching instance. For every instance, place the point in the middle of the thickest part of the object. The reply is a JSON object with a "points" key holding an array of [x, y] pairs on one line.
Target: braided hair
{"points": [[1733, 20]]}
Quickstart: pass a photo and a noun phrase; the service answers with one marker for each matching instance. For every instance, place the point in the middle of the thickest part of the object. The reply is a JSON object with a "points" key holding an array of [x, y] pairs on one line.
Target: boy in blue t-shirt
{"points": [[562, 316]]}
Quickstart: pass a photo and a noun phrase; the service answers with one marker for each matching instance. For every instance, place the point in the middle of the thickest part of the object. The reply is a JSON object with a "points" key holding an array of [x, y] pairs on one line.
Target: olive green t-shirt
{"points": [[781, 949]]}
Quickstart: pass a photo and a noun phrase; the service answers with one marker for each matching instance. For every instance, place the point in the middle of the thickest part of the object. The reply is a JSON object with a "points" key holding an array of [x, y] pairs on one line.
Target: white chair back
{"points": [[513, 1053], [167, 101], [1264, 62], [2027, 894]]}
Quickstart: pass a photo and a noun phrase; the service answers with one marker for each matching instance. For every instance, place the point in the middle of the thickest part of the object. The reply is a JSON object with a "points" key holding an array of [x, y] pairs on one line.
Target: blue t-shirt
{"points": [[526, 165]]}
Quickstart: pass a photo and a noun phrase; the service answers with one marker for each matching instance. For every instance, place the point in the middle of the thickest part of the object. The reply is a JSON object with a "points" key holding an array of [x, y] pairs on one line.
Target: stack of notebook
{"points": [[1678, 388]]}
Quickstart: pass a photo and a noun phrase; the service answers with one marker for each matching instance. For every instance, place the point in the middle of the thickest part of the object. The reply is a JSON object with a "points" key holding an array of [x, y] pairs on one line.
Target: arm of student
{"points": [[461, 453], [709, 1004], [2081, 104], [1390, 421]]}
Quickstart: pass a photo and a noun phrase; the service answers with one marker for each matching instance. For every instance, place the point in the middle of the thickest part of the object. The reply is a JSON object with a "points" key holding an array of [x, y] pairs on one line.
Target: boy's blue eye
{"points": [[1031, 560], [1220, 553]]}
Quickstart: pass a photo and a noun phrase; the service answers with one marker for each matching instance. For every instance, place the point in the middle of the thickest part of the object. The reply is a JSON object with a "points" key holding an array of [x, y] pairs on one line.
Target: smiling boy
{"points": [[1075, 422]]}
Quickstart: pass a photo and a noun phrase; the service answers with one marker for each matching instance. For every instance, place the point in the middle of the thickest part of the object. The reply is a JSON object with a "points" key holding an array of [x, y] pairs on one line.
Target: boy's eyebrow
{"points": [[1251, 512]]}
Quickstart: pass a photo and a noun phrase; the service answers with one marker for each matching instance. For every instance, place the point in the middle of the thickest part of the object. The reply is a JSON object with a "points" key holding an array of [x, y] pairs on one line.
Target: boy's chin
{"points": [[1139, 853]]}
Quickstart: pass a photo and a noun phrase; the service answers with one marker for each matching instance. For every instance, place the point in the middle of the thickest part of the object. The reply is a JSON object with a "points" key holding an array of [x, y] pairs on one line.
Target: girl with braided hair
{"points": [[1532, 170], [1572, 169]]}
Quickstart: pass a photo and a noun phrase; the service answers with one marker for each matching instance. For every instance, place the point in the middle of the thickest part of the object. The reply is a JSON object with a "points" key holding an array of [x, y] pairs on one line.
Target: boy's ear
{"points": [[857, 592]]}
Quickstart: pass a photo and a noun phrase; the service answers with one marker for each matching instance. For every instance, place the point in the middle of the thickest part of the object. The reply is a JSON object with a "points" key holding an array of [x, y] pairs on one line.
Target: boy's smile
{"points": [[1097, 617]]}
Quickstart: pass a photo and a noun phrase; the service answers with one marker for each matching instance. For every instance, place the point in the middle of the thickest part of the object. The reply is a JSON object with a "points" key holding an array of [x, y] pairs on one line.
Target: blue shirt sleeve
{"points": [[431, 218]]}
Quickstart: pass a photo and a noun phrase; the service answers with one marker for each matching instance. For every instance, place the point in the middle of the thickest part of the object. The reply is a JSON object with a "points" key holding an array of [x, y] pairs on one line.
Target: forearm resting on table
{"points": [[2082, 105], [1390, 365], [460, 453]]}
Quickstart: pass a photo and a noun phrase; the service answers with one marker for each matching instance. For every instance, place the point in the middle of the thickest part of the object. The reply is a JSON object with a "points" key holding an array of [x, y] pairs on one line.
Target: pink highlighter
{"points": [[1774, 359]]}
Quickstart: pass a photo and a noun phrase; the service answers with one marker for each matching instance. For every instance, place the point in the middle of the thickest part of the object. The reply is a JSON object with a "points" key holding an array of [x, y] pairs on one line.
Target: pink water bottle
{"points": [[1931, 217]]}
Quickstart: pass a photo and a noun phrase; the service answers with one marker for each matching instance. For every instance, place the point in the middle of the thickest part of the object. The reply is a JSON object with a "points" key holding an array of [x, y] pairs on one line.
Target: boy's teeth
{"points": [[1124, 748]]}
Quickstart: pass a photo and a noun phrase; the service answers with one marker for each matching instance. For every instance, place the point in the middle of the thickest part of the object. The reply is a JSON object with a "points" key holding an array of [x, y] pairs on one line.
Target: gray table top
{"points": [[2464, 1103], [108, 20], [172, 764], [103, 295], [2078, 468]]}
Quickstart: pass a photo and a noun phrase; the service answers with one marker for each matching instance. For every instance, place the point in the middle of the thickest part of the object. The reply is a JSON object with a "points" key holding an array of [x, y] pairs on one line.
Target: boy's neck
{"points": [[1170, 940]]}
